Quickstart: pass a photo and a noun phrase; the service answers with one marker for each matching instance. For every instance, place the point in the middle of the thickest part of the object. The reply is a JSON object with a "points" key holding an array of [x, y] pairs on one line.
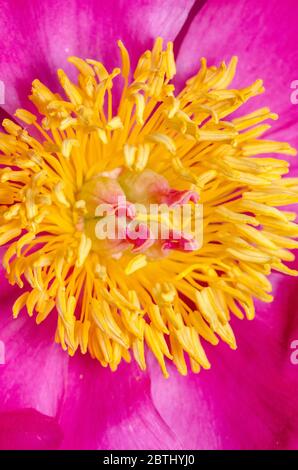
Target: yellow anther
{"points": [[71, 90], [114, 295], [83, 67], [83, 250], [164, 140], [136, 263], [59, 193], [25, 116], [67, 146], [125, 60], [114, 124], [129, 155]]}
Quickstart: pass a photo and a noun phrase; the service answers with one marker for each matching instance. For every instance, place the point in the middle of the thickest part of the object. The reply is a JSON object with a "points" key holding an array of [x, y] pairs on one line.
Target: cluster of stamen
{"points": [[112, 297]]}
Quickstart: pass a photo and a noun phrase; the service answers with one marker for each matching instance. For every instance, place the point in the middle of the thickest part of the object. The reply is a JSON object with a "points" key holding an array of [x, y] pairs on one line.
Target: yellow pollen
{"points": [[109, 301]]}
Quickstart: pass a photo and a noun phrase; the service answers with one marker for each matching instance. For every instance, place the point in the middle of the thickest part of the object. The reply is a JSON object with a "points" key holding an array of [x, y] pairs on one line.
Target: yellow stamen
{"points": [[111, 302]]}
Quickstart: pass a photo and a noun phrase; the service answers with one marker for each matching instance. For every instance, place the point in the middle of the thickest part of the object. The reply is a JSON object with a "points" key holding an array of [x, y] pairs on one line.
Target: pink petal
{"points": [[93, 407], [264, 36], [35, 367], [28, 429], [37, 37], [3, 115], [106, 410], [248, 400]]}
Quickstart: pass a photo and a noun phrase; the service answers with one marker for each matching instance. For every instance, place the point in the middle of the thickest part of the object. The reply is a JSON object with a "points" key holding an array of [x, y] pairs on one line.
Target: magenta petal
{"points": [[264, 36], [4, 115], [248, 400], [105, 410], [37, 37], [28, 429], [33, 372], [95, 408]]}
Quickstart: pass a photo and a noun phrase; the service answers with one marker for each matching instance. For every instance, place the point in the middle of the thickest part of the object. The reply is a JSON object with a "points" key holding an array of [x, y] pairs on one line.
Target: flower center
{"points": [[88, 209], [124, 210]]}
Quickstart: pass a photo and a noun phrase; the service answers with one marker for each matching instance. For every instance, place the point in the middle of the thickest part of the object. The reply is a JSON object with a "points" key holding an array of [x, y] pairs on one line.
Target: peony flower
{"points": [[123, 136]]}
